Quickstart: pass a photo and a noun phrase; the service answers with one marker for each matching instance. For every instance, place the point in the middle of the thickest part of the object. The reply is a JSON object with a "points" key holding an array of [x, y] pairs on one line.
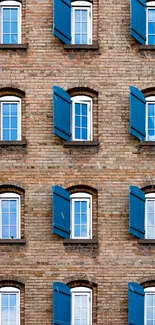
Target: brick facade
{"points": [[110, 168]]}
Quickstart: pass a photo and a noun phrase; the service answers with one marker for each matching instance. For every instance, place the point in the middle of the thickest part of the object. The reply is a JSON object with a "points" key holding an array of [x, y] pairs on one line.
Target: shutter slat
{"points": [[138, 20], [61, 304], [61, 212], [62, 20], [61, 113], [136, 212], [137, 113], [135, 304]]}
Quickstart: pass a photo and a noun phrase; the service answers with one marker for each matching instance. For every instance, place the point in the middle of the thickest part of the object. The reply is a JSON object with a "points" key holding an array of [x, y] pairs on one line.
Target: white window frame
{"points": [[149, 100], [81, 196], [10, 4], [10, 100], [87, 6], [149, 5], [147, 290], [83, 100], [148, 196], [11, 196], [11, 290], [81, 291]]}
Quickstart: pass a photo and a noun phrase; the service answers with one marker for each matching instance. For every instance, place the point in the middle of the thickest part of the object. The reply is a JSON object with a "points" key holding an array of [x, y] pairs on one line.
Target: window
{"points": [[81, 215], [75, 305], [150, 118], [10, 13], [150, 23], [72, 214], [76, 28], [9, 306], [10, 118], [81, 22], [10, 216], [81, 118], [149, 306], [81, 310], [72, 116], [150, 215]]}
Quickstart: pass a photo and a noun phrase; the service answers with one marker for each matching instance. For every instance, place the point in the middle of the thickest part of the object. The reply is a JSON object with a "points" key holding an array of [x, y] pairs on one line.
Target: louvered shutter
{"points": [[135, 304], [137, 113], [61, 212], [61, 113], [136, 212], [61, 304], [62, 20], [138, 20]]}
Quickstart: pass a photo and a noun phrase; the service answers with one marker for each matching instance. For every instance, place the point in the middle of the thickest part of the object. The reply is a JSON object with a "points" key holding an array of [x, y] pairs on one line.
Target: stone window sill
{"points": [[146, 143], [13, 46], [147, 47], [81, 143], [12, 143], [12, 241], [80, 241], [73, 47]]}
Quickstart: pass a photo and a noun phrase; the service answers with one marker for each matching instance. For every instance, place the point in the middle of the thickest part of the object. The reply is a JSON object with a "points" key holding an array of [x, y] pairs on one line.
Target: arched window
{"points": [[10, 216], [10, 18], [81, 306], [82, 129], [150, 23], [149, 308], [9, 306], [150, 216], [81, 216], [81, 22], [10, 114], [150, 118]]}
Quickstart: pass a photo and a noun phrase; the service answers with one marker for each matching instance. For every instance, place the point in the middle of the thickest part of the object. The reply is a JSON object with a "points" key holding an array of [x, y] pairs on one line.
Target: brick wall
{"points": [[110, 168]]}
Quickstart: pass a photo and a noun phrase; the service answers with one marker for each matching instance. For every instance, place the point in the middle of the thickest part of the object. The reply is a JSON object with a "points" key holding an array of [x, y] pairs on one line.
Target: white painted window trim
{"points": [[147, 290], [81, 196], [13, 196], [149, 5], [149, 100], [11, 99], [150, 196], [83, 100], [12, 290], [11, 4], [82, 291], [82, 5]]}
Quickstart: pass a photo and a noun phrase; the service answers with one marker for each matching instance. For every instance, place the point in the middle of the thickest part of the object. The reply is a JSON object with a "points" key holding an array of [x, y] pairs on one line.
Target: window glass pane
{"points": [[150, 219], [77, 15], [6, 27], [151, 15], [151, 40], [5, 205], [77, 39], [77, 121], [149, 300], [84, 39], [149, 313], [151, 135], [14, 14], [6, 38], [151, 110], [77, 133], [13, 219], [6, 14], [5, 232], [5, 314], [150, 232], [6, 122], [150, 205], [77, 231], [84, 109], [14, 109], [83, 218], [6, 135], [151, 28], [84, 27], [150, 322], [77, 206], [14, 27], [5, 109], [13, 135], [84, 121], [83, 231], [14, 122], [84, 15], [77, 109], [13, 205], [84, 134], [5, 219], [77, 219], [13, 300], [77, 27], [14, 39], [13, 232], [4, 300], [84, 206], [151, 122]]}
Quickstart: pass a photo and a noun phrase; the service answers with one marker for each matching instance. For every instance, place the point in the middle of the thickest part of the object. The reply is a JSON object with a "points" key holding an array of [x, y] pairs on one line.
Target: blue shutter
{"points": [[61, 212], [135, 304], [61, 304], [138, 20], [61, 113], [136, 212], [62, 20], [137, 113]]}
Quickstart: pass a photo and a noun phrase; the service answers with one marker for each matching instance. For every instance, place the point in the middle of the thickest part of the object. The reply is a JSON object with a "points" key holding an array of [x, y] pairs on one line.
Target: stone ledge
{"points": [[12, 143], [81, 241], [12, 241], [147, 47], [146, 143], [81, 143], [146, 241], [87, 47], [13, 46]]}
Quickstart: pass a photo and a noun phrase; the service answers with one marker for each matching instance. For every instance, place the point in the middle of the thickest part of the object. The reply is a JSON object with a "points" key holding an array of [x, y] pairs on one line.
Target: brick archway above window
{"points": [[11, 91], [82, 188], [83, 91], [11, 188], [149, 91]]}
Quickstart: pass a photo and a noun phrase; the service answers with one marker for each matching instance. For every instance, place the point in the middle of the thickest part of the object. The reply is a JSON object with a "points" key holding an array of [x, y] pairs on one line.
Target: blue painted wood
{"points": [[137, 113], [62, 20], [136, 212], [61, 212], [138, 20], [135, 304], [61, 304], [61, 113]]}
